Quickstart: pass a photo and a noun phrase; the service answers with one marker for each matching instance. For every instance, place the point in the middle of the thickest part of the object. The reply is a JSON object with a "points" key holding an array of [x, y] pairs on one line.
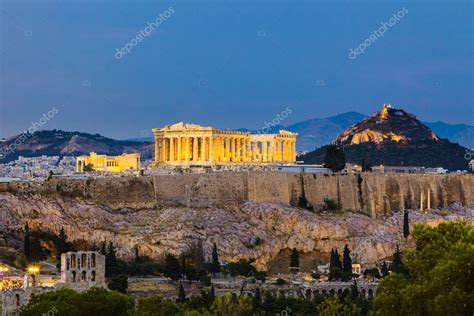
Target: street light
{"points": [[33, 269]]}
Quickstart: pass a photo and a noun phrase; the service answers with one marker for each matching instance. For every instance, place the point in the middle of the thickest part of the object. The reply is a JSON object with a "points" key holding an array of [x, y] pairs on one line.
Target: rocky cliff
{"points": [[167, 213]]}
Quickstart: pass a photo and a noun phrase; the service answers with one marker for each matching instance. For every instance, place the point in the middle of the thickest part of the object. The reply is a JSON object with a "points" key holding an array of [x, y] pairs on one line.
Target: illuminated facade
{"points": [[190, 144], [108, 163]]}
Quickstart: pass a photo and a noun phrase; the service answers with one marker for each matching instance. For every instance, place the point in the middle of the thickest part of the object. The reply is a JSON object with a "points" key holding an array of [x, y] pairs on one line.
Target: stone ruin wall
{"points": [[372, 194]]}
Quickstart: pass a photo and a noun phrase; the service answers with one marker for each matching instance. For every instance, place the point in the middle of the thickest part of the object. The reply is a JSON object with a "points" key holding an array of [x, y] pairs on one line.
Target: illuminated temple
{"points": [[190, 144]]}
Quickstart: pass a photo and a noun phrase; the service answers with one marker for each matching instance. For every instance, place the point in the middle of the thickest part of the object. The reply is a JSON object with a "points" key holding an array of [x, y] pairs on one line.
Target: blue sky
{"points": [[228, 63]]}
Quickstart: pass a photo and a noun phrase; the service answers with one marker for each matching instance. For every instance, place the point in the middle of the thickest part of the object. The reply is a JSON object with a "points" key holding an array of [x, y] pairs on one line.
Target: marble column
{"points": [[188, 145], [164, 157], [172, 149], [211, 149], [203, 149], [195, 149], [264, 151], [180, 140]]}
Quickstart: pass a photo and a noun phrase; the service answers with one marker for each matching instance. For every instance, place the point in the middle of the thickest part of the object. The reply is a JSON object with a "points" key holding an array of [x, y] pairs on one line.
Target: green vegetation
{"points": [[67, 302], [330, 204], [294, 261], [335, 158], [437, 279]]}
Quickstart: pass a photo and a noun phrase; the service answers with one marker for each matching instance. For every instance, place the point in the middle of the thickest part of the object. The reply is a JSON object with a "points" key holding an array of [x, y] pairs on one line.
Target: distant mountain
{"points": [[457, 133], [318, 132], [62, 143], [397, 138]]}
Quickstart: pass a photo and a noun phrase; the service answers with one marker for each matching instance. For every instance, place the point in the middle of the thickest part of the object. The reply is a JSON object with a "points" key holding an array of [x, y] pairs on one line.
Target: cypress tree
{"points": [[215, 265], [181, 294], [172, 267], [332, 261], [384, 269], [26, 243], [294, 259], [111, 263], [183, 266], [337, 259], [347, 263], [62, 245], [406, 225], [354, 291]]}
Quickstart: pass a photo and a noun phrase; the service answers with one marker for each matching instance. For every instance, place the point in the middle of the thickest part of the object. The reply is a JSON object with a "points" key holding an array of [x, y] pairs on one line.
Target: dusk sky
{"points": [[229, 64]]}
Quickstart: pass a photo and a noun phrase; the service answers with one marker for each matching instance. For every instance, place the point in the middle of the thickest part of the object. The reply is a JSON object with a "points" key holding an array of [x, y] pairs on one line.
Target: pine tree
{"points": [[397, 263], [26, 243], [406, 225], [215, 265], [294, 259], [181, 294], [384, 269]]}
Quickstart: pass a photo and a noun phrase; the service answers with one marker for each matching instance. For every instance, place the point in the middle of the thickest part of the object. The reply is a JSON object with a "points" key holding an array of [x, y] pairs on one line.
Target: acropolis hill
{"points": [[166, 213]]}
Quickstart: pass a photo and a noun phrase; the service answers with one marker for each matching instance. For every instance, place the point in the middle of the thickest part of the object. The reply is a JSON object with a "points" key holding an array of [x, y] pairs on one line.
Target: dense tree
{"points": [[346, 264], [171, 267], [294, 261], [215, 264], [231, 305], [119, 283], [439, 281], [67, 302], [335, 158], [155, 305], [333, 306], [406, 225]]}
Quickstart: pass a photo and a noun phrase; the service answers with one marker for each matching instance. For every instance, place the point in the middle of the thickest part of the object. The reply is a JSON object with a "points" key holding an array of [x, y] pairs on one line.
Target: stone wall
{"points": [[372, 194]]}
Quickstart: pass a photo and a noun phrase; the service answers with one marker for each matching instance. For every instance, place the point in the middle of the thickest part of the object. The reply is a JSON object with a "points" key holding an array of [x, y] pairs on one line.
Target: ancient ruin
{"points": [[190, 144]]}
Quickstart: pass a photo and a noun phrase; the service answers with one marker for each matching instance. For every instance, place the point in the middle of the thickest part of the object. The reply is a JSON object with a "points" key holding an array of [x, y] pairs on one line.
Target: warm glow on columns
{"points": [[188, 143], [171, 148], [211, 149], [203, 149], [195, 149], [180, 140], [227, 148]]}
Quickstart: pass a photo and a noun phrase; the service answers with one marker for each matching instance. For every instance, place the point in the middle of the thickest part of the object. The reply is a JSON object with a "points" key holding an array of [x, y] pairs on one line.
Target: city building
{"points": [[302, 168], [108, 163], [471, 165], [79, 271], [190, 144], [352, 168]]}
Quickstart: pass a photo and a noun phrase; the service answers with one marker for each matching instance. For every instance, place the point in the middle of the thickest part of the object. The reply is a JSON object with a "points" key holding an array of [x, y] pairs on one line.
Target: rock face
{"points": [[167, 213]]}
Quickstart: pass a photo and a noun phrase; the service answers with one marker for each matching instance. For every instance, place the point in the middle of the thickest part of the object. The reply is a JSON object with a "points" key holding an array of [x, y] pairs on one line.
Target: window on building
{"points": [[73, 261], [93, 276], [17, 299], [83, 260], [83, 276], [73, 276], [93, 260]]}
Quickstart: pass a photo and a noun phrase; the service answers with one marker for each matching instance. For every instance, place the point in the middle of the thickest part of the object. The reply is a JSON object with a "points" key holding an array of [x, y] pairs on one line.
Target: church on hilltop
{"points": [[190, 144]]}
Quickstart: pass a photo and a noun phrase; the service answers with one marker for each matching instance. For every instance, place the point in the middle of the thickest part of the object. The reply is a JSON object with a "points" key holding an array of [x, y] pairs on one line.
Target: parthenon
{"points": [[190, 144]]}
